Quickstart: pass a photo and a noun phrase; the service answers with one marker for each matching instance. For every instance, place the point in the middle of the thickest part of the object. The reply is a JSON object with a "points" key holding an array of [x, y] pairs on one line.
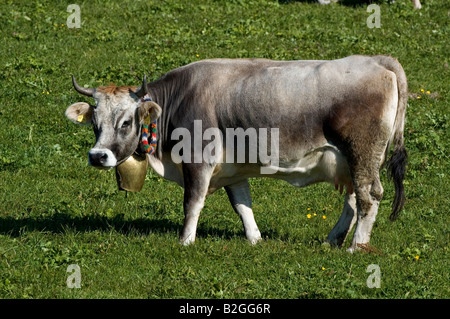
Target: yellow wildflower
{"points": [[422, 90], [324, 217], [428, 92], [309, 215], [417, 257]]}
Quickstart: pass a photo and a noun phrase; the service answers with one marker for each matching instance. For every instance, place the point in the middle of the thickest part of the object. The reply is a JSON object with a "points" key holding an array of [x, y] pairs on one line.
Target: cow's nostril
{"points": [[103, 158]]}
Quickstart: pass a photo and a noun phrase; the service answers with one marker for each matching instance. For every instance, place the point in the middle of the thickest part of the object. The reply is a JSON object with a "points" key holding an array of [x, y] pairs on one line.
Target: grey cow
{"points": [[329, 121]]}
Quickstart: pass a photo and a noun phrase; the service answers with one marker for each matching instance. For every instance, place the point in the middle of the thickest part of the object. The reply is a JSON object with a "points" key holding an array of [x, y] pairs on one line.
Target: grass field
{"points": [[55, 210]]}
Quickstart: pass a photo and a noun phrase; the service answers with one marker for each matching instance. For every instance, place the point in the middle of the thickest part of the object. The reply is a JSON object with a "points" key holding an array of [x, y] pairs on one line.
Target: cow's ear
{"points": [[80, 113], [151, 109]]}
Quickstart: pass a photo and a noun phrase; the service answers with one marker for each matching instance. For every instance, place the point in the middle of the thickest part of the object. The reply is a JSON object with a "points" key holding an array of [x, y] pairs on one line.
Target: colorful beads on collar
{"points": [[149, 148]]}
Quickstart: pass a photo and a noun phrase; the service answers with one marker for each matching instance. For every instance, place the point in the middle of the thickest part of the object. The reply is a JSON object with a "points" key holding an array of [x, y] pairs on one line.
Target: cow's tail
{"points": [[396, 165]]}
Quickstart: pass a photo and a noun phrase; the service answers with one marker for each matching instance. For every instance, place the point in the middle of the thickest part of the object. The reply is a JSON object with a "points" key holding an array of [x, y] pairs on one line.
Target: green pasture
{"points": [[55, 210]]}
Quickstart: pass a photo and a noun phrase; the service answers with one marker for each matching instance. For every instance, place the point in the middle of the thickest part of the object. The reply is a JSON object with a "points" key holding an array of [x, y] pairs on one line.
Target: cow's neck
{"points": [[163, 93]]}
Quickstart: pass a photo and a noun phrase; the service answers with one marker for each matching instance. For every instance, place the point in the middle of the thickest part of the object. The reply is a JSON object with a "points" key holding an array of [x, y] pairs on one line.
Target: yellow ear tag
{"points": [[81, 119], [147, 120]]}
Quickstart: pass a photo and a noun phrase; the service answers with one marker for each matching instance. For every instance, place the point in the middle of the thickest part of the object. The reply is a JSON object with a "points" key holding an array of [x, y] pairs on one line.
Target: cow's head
{"points": [[116, 117]]}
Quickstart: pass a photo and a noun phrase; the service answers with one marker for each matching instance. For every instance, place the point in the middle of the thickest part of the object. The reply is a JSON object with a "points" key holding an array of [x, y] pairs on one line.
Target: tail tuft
{"points": [[396, 170]]}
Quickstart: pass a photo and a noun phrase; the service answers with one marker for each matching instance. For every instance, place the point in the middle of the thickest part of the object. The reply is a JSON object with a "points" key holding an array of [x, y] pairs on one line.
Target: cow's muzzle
{"points": [[102, 158]]}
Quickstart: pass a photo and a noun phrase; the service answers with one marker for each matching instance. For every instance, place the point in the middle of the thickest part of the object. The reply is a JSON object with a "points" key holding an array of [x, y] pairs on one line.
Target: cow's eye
{"points": [[126, 124]]}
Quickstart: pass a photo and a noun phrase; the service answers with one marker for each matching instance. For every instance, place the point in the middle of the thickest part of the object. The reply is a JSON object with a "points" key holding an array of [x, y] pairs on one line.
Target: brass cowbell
{"points": [[130, 174]]}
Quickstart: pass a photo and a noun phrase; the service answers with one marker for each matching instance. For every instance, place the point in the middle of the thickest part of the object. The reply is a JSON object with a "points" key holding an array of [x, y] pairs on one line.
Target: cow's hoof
{"points": [[253, 237], [365, 248], [187, 241], [327, 245], [334, 242], [255, 240]]}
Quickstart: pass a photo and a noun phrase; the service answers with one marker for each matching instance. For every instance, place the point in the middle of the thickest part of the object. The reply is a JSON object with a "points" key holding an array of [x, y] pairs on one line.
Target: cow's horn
{"points": [[143, 89], [82, 90]]}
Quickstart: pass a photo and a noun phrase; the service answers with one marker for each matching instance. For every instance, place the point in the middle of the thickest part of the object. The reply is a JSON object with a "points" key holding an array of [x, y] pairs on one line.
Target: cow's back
{"points": [[248, 89]]}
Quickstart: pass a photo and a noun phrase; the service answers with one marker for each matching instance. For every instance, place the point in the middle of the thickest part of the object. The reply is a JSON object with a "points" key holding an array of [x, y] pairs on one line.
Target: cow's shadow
{"points": [[61, 223]]}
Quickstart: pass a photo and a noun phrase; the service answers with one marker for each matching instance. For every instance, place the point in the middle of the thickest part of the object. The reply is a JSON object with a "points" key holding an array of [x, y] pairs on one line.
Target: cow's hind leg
{"points": [[369, 195], [241, 200], [365, 161], [345, 223], [196, 181]]}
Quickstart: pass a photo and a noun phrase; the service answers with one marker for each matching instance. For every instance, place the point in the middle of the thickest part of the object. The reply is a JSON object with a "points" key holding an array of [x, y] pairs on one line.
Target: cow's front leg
{"points": [[196, 181], [241, 200]]}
